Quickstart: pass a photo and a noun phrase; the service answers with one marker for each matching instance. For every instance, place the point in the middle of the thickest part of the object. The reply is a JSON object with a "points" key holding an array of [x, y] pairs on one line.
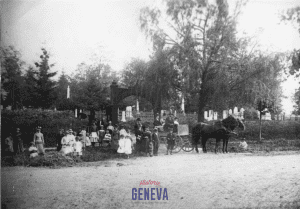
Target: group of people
{"points": [[116, 137], [148, 142], [14, 143]]}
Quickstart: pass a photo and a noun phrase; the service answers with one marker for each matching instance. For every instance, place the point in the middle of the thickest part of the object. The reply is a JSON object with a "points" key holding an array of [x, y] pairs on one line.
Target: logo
{"points": [[149, 193]]}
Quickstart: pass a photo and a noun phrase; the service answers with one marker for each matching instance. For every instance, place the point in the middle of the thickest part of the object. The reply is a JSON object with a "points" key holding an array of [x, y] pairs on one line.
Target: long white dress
{"points": [[121, 148], [127, 146]]}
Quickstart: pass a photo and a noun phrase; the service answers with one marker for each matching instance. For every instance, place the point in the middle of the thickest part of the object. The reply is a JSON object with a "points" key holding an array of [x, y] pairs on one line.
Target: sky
{"points": [[73, 30]]}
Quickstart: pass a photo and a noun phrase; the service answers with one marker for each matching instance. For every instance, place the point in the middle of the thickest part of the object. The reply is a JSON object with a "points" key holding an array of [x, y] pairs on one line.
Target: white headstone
{"points": [[215, 116], [68, 92], [123, 117], [205, 115], [76, 113], [175, 112], [127, 111], [230, 112], [182, 104], [235, 110], [137, 107], [224, 114], [130, 111]]}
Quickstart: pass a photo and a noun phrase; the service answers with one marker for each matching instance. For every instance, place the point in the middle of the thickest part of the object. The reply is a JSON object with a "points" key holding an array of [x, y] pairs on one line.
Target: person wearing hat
{"points": [[59, 137], [176, 124], [138, 131], [33, 151], [38, 140], [18, 142], [169, 122], [147, 142], [170, 141], [71, 137], [155, 141], [157, 121]]}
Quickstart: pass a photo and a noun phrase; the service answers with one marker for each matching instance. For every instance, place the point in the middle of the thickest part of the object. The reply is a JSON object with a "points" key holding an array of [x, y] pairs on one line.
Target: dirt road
{"points": [[192, 181]]}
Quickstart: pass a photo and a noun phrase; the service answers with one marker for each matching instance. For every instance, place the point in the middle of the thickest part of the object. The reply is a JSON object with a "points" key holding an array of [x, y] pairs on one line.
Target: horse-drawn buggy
{"points": [[183, 140]]}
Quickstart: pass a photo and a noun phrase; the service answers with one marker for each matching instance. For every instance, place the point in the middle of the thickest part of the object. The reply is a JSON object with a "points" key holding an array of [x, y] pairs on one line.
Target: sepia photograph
{"points": [[150, 104]]}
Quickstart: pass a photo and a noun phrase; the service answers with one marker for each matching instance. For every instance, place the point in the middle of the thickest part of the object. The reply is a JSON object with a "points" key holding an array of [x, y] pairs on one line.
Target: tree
{"points": [[297, 102], [30, 87], [292, 16], [205, 41], [90, 87], [45, 85], [156, 80], [11, 77]]}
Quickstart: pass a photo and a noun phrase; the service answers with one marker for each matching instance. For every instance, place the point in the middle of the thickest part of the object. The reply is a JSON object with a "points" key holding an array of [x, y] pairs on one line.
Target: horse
{"points": [[219, 130]]}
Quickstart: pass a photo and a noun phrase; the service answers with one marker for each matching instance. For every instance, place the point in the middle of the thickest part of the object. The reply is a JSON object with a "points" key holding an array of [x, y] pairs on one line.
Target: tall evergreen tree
{"points": [[45, 85], [30, 87]]}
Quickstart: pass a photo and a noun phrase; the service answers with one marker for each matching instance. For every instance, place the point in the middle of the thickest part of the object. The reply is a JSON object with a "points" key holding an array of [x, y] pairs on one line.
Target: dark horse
{"points": [[219, 130]]}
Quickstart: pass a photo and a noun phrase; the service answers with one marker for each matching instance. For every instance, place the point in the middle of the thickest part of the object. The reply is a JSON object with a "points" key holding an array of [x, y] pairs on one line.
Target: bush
{"points": [[272, 130], [28, 120], [50, 159]]}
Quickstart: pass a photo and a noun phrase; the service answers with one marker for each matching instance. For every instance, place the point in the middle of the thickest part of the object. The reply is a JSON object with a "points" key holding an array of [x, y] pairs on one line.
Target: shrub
{"points": [[50, 159], [28, 120]]}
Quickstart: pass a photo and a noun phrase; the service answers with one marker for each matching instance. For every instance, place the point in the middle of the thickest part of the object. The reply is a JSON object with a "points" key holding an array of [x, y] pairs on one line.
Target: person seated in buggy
{"points": [[169, 122]]}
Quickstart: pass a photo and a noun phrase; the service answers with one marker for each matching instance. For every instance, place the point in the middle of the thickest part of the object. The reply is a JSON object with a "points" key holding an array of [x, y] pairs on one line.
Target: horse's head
{"points": [[231, 123]]}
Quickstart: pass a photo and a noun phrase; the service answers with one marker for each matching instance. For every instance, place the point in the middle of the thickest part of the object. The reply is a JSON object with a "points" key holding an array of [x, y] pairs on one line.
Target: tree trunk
{"points": [[201, 104], [259, 126]]}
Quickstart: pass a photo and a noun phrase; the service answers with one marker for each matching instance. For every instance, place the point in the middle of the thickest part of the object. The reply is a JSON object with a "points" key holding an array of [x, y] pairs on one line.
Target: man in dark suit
{"points": [[147, 142], [138, 131], [155, 139]]}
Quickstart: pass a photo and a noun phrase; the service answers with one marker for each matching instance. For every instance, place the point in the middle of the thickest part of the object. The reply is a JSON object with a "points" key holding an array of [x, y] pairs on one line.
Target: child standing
{"points": [[107, 137], [155, 139], [77, 148], [101, 135], [127, 145], [170, 141], [87, 140], [121, 148]]}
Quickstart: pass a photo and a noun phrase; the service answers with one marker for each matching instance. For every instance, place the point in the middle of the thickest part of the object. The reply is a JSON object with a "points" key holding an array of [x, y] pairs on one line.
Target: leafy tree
{"points": [[205, 41], [156, 80], [292, 16], [297, 102], [90, 87], [45, 85], [11, 77]]}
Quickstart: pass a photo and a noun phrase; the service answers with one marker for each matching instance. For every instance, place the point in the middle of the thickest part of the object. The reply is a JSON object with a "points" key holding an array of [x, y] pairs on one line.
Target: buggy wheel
{"points": [[178, 144], [187, 147]]}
